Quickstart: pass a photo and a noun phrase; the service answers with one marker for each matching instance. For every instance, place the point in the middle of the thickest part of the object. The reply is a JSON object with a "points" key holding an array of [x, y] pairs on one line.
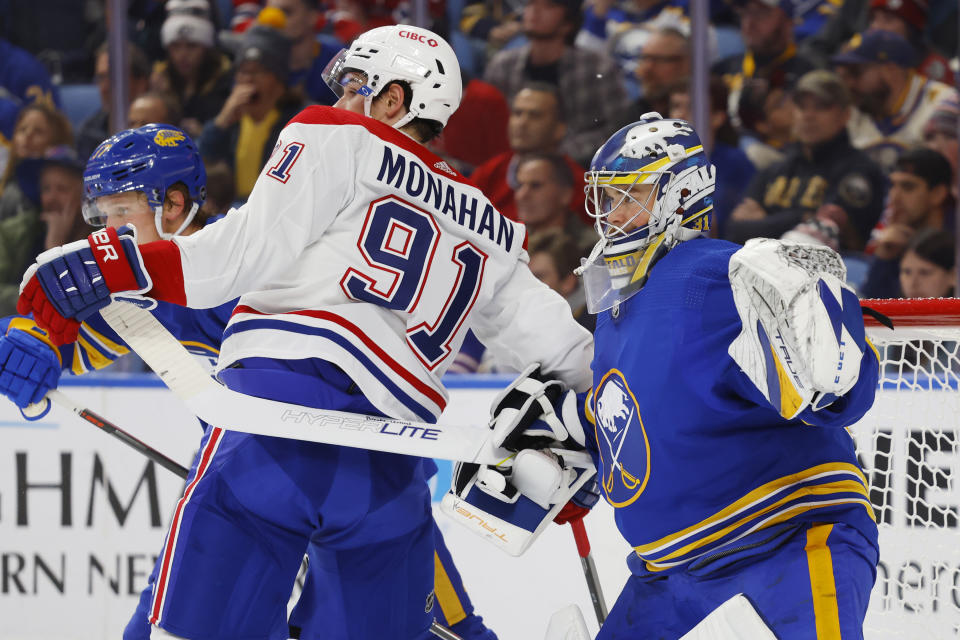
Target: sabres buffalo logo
{"points": [[168, 138], [622, 440]]}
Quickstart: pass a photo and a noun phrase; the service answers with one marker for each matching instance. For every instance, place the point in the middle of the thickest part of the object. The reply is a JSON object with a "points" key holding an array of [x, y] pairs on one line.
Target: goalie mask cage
{"points": [[909, 446]]}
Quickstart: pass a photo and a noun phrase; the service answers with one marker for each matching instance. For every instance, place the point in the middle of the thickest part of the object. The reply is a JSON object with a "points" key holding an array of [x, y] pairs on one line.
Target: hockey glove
{"points": [[69, 283], [534, 413], [30, 364], [803, 337], [581, 503], [511, 503]]}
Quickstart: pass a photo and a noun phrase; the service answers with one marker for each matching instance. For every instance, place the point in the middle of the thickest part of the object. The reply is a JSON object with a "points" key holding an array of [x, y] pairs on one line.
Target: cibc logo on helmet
{"points": [[419, 37]]}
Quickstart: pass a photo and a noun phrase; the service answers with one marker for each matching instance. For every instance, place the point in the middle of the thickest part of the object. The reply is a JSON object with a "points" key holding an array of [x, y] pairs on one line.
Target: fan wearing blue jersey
{"points": [[361, 260], [723, 378], [123, 181]]}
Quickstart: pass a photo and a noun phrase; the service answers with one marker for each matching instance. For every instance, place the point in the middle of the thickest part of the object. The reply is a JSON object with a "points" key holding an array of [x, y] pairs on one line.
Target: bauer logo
{"points": [[168, 138], [624, 447]]}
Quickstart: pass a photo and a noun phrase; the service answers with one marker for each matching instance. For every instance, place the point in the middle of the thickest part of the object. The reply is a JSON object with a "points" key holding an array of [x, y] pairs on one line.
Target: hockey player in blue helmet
{"points": [[723, 378], [650, 186], [154, 170]]}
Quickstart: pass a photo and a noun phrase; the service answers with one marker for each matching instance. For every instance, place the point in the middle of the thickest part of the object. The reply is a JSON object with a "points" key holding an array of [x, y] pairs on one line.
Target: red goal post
{"points": [[909, 446]]}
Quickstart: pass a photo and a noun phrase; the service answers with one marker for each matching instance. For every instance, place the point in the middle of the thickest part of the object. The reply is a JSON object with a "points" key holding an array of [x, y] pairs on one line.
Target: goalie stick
{"points": [[589, 569], [215, 404]]}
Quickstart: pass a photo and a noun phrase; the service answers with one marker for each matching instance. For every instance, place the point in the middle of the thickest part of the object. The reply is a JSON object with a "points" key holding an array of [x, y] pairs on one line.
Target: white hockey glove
{"points": [[510, 504], [803, 337], [534, 413]]}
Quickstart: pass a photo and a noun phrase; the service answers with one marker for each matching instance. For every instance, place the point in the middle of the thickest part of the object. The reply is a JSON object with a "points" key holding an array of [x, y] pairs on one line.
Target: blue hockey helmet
{"points": [[149, 159], [649, 187]]}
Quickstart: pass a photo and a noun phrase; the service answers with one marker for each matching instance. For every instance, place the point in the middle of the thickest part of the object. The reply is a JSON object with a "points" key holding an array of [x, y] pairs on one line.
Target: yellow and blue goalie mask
{"points": [[649, 187]]}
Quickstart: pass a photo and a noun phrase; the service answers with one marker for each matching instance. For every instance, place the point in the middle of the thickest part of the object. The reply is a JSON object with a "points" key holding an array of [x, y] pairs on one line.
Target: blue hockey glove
{"points": [[534, 413], [30, 365], [76, 280]]}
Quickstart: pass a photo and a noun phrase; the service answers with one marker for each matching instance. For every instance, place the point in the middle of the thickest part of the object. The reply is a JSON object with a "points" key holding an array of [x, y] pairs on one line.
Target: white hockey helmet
{"points": [[402, 52]]}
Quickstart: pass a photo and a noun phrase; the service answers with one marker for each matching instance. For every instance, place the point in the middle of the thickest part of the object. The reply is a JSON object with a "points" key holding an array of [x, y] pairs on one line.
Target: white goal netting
{"points": [[909, 446]]}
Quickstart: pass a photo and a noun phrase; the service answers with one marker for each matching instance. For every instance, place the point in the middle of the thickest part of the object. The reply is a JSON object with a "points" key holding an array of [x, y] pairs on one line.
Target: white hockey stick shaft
{"points": [[219, 406]]}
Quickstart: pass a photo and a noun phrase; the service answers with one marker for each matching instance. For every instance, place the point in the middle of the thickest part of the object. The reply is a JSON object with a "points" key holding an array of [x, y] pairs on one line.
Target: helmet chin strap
{"points": [[158, 221], [368, 101]]}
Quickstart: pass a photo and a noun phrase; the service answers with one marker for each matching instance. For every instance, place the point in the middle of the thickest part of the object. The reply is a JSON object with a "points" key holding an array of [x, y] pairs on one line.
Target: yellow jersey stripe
{"points": [[790, 399], [447, 596], [96, 358], [783, 516], [200, 345], [760, 493], [109, 344], [843, 486], [822, 584]]}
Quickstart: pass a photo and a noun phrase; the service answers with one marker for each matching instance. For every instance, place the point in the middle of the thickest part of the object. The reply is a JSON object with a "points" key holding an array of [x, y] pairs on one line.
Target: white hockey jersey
{"points": [[361, 247], [884, 140]]}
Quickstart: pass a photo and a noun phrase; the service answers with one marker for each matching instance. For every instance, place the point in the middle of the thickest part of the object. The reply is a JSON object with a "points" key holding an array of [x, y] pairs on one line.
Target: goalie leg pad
{"points": [[735, 619]]}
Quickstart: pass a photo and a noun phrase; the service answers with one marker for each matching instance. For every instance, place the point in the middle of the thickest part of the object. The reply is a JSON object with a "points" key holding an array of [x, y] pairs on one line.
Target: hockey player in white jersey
{"points": [[361, 260]]}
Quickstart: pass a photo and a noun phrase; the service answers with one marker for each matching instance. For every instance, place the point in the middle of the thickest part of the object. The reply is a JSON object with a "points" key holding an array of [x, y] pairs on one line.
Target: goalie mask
{"points": [[150, 159], [649, 187], [400, 52]]}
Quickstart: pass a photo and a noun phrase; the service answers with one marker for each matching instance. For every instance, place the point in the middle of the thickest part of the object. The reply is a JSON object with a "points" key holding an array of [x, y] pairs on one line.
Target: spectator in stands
{"points": [[308, 55], [663, 65], [765, 116], [908, 18], [590, 84], [153, 106], [59, 221], [97, 127], [894, 101], [535, 125], [928, 268], [823, 177], [919, 199], [553, 257], [221, 191], [477, 130], [491, 24], [194, 70], [734, 169], [39, 127], [544, 185], [260, 105], [940, 134], [766, 27], [23, 80]]}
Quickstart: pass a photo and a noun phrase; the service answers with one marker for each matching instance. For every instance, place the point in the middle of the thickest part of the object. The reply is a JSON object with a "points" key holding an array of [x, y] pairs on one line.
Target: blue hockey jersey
{"points": [[690, 454]]}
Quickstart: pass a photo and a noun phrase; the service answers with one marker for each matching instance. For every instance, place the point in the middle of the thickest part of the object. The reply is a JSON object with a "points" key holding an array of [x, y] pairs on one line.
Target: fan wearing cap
{"points": [[194, 69], [823, 177], [941, 133], [893, 101], [766, 27], [261, 102], [909, 19]]}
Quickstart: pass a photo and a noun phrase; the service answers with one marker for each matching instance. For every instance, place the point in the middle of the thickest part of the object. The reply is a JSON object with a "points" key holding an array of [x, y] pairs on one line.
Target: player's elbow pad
{"points": [[802, 336]]}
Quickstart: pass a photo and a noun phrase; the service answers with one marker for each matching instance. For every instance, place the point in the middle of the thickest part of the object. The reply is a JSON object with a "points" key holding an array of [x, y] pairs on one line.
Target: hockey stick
{"points": [[215, 404], [443, 632], [589, 569], [106, 426]]}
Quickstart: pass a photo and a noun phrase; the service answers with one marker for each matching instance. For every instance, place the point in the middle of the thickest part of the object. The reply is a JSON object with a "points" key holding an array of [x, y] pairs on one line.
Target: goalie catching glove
{"points": [[68, 284], [803, 337]]}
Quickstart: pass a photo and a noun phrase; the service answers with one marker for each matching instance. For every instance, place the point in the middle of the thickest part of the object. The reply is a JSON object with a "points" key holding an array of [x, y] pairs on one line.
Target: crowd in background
{"points": [[831, 121]]}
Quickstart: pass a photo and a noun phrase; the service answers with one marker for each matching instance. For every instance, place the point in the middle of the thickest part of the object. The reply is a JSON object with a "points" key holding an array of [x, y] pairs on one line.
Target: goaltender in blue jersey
{"points": [[723, 378]]}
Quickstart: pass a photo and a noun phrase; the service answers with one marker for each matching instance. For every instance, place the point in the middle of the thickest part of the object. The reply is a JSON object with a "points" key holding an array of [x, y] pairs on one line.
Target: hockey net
{"points": [[909, 446]]}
